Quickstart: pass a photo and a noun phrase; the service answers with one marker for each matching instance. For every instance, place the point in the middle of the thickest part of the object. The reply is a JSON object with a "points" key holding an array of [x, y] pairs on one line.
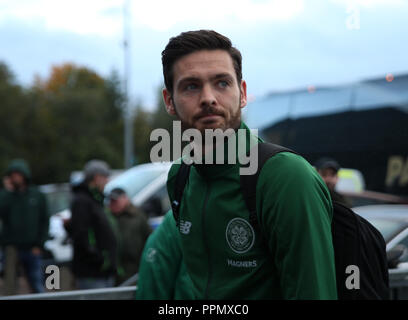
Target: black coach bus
{"points": [[364, 126]]}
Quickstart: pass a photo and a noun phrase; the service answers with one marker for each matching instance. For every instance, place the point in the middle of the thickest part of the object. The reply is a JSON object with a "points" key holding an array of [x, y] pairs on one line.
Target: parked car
{"points": [[145, 185], [390, 219], [367, 197]]}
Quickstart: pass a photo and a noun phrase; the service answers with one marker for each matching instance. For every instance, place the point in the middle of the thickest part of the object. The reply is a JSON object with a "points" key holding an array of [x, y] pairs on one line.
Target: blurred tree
{"points": [[13, 104], [80, 118], [141, 134], [71, 116], [161, 119]]}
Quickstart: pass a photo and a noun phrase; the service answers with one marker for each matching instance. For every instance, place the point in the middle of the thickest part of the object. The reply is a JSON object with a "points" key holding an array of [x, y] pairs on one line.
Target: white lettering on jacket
{"points": [[242, 264]]}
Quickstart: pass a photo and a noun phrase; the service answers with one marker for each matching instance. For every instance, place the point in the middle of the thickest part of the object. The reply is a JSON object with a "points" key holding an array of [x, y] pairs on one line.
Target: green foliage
{"points": [[13, 106], [61, 122]]}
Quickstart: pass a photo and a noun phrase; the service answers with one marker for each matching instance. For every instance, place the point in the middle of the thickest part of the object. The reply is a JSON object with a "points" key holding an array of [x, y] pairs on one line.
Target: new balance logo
{"points": [[185, 227]]}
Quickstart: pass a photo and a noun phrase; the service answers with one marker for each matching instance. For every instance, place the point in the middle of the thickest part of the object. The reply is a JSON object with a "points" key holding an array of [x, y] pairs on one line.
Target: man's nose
{"points": [[207, 96]]}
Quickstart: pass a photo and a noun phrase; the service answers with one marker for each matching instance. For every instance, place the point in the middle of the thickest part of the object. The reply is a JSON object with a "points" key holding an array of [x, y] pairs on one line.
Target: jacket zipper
{"points": [[206, 240]]}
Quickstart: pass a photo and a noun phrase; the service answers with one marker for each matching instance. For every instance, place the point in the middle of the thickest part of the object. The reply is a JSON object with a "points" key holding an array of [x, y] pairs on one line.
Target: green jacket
{"points": [[25, 218], [227, 258], [162, 273], [132, 231]]}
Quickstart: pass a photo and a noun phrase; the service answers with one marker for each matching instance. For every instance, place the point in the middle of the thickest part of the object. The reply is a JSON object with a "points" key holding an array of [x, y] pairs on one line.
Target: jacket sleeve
{"points": [[161, 274], [3, 203], [3, 212], [44, 221], [146, 229], [82, 233], [296, 213]]}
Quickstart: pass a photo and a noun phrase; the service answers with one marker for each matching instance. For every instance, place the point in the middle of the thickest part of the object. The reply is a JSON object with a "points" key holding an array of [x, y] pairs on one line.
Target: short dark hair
{"points": [[325, 163], [192, 41], [117, 193]]}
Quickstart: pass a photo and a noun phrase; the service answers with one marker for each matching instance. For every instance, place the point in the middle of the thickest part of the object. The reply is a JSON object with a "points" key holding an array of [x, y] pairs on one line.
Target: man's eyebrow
{"points": [[187, 79], [195, 79], [222, 76]]}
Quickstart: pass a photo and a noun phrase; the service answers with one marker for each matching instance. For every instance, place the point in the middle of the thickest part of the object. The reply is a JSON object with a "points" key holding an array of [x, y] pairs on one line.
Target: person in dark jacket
{"points": [[24, 215], [132, 233], [328, 169], [94, 243]]}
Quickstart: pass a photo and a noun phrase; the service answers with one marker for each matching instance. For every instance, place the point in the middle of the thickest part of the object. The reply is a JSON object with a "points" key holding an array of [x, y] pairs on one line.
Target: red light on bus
{"points": [[311, 89]]}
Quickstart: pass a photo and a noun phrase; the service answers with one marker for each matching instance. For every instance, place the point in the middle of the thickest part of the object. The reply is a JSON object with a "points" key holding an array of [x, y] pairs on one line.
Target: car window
{"points": [[134, 180], [357, 201]]}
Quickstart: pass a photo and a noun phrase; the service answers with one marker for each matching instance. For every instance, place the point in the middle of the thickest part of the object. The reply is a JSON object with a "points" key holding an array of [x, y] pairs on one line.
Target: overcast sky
{"points": [[286, 44]]}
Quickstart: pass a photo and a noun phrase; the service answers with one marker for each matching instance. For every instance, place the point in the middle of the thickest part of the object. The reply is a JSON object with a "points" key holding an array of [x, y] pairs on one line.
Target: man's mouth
{"points": [[209, 117]]}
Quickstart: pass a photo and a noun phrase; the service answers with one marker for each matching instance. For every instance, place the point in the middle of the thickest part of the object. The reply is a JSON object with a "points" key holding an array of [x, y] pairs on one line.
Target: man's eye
{"points": [[223, 84], [191, 86]]}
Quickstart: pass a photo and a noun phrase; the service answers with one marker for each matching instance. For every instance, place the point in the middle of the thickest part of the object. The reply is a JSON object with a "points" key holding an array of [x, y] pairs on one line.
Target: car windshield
{"points": [[388, 228], [135, 179]]}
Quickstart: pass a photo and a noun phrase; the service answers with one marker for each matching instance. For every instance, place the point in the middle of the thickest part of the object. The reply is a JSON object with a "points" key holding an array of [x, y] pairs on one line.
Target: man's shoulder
{"points": [[134, 212], [171, 176], [167, 230], [287, 164], [35, 190], [288, 170], [4, 193], [174, 169], [81, 198]]}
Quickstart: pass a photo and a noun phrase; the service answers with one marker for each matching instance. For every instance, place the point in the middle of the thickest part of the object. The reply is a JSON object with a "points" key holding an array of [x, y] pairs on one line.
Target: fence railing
{"points": [[398, 290], [118, 293]]}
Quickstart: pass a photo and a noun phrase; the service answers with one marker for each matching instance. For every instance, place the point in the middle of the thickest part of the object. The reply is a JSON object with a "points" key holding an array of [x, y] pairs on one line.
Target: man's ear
{"points": [[243, 89], [168, 101]]}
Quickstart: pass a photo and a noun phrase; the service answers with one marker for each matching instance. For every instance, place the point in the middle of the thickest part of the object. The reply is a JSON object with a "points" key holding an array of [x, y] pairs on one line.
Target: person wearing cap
{"points": [[132, 232], [24, 215], [328, 169], [94, 242]]}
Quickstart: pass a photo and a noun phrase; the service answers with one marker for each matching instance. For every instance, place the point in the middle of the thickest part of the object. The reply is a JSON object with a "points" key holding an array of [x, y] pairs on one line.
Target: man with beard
{"points": [[289, 255], [23, 211]]}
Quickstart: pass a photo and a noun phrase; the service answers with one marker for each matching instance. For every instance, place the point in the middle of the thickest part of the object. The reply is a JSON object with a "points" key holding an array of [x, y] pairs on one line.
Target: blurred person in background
{"points": [[132, 231], [25, 220], [94, 243], [328, 169]]}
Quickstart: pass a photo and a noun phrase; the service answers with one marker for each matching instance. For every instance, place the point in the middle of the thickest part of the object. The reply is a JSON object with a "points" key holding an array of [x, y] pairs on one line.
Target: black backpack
{"points": [[356, 242]]}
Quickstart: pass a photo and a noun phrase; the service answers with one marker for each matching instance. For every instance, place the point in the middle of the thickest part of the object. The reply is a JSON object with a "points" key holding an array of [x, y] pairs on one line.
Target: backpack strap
{"points": [[181, 181], [248, 182]]}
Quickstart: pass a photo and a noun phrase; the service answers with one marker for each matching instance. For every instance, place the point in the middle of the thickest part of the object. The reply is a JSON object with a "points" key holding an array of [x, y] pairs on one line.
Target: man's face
{"points": [[99, 181], [17, 180], [330, 177], [206, 94], [119, 205]]}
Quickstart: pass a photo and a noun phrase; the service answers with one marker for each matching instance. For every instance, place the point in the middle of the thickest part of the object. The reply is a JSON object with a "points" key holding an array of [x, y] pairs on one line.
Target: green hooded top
{"points": [[288, 256], [24, 213], [21, 166]]}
